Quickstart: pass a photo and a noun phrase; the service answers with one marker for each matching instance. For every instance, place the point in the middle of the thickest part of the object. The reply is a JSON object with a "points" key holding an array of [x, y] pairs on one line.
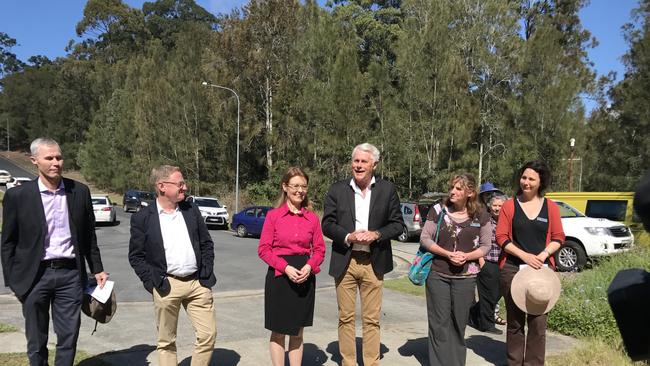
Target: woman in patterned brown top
{"points": [[465, 236]]}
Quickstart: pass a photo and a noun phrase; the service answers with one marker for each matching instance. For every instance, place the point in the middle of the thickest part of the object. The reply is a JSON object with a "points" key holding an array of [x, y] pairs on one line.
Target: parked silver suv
{"points": [[412, 221]]}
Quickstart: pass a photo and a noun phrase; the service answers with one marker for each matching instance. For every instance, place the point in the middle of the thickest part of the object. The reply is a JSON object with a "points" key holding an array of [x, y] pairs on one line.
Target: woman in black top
{"points": [[529, 231]]}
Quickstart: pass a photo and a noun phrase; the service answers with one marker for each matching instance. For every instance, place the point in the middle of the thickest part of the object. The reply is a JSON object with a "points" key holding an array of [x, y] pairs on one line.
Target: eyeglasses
{"points": [[177, 184], [295, 187]]}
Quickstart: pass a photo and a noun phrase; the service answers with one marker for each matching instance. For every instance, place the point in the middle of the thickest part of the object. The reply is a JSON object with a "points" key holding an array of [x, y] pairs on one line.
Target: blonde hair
{"points": [[468, 182], [293, 171], [161, 172]]}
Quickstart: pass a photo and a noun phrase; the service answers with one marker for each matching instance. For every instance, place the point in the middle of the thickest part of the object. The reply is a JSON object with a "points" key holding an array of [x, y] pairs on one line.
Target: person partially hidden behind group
{"points": [[292, 244], [529, 231], [464, 237], [482, 314]]}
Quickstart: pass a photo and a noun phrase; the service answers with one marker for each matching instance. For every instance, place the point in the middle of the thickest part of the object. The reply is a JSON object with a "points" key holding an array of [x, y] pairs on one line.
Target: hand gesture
{"points": [[304, 273], [458, 258], [101, 278], [533, 260], [292, 273]]}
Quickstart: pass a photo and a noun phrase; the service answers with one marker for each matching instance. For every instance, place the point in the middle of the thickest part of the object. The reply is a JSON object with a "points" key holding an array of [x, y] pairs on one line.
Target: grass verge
{"points": [[592, 352], [404, 285], [20, 359], [6, 328]]}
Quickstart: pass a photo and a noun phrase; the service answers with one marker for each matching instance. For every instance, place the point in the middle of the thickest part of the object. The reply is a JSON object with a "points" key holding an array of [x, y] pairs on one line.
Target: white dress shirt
{"points": [[361, 211], [179, 253]]}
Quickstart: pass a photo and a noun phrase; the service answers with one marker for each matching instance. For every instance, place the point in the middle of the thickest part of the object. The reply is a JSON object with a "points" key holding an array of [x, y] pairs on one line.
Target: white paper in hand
{"points": [[101, 294]]}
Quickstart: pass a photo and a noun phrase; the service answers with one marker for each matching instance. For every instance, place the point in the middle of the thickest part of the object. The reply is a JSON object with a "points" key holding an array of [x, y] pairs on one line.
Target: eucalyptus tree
{"points": [[618, 150]]}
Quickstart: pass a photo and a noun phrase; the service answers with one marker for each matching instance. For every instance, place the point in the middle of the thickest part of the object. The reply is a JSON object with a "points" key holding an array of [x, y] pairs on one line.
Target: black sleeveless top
{"points": [[529, 235]]}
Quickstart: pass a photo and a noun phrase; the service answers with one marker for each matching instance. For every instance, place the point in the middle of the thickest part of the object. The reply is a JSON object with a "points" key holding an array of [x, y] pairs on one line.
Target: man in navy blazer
{"points": [[48, 235], [361, 216], [172, 253]]}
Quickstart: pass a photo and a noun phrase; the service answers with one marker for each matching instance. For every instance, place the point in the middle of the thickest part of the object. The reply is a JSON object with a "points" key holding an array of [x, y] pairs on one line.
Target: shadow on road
{"points": [[136, 355], [416, 348], [220, 356], [491, 350], [333, 349]]}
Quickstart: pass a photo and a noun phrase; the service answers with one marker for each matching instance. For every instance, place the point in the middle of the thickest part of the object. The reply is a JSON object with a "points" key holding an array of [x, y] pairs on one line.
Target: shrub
{"points": [[583, 309]]}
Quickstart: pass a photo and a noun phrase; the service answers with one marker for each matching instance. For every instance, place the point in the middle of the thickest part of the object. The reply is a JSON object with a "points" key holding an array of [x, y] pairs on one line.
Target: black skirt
{"points": [[289, 306]]}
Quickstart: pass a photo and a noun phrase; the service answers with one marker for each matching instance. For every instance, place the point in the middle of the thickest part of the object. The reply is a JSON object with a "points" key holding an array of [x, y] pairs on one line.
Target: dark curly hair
{"points": [[540, 168]]}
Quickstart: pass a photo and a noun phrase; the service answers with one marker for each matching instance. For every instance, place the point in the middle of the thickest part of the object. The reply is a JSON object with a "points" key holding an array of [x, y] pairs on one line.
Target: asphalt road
{"points": [[236, 265], [15, 170]]}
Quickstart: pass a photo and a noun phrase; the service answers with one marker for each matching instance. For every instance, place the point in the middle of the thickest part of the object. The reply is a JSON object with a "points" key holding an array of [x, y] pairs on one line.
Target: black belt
{"points": [[361, 253], [183, 278], [58, 263]]}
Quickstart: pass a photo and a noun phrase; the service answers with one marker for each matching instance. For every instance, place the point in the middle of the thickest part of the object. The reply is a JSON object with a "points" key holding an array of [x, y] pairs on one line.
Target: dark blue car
{"points": [[249, 221]]}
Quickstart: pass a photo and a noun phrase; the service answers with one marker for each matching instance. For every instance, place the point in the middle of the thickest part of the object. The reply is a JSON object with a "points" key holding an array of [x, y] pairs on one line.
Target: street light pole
{"points": [[572, 146], [205, 83]]}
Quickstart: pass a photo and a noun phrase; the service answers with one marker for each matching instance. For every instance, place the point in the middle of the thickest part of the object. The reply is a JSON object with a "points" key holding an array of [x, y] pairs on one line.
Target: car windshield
{"points": [[99, 201], [568, 211], [207, 202], [145, 196]]}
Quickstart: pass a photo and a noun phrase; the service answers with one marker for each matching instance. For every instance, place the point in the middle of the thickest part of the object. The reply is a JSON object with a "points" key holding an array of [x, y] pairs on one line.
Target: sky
{"points": [[44, 27]]}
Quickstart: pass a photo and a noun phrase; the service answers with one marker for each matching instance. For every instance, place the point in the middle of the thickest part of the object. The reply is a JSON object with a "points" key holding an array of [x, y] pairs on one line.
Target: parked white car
{"points": [[104, 209], [212, 211], [588, 237], [5, 177], [16, 181]]}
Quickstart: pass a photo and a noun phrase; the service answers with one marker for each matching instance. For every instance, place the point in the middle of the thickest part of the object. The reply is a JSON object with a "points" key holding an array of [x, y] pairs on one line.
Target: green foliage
{"points": [[619, 145], [403, 284], [438, 86], [582, 309], [6, 328]]}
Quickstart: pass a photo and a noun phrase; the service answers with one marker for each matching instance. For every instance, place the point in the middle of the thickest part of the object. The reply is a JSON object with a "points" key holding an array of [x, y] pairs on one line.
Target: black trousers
{"points": [[487, 284], [61, 290]]}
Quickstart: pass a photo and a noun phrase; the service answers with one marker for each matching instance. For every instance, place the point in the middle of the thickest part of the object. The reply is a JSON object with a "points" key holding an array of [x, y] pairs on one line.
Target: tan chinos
{"points": [[199, 305], [359, 275]]}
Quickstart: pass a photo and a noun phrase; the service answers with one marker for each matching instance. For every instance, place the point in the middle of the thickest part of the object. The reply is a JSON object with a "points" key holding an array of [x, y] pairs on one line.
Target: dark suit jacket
{"points": [[24, 229], [147, 252], [339, 220]]}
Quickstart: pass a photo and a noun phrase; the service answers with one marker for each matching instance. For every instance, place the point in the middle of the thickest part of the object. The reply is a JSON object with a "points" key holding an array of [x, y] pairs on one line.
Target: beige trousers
{"points": [[198, 303], [359, 275]]}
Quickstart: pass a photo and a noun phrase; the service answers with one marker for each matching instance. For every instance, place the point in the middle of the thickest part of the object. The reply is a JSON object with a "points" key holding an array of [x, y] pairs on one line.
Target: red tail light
{"points": [[417, 218], [106, 209]]}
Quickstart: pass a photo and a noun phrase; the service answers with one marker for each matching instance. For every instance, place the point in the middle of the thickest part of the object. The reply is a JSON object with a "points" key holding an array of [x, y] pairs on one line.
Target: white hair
{"points": [[33, 147], [369, 148]]}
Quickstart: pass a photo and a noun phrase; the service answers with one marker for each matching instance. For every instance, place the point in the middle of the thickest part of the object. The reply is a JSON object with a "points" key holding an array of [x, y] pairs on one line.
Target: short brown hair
{"points": [[161, 172]]}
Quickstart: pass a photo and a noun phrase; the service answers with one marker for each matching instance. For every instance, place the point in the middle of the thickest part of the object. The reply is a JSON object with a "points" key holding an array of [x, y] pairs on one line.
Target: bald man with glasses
{"points": [[172, 252]]}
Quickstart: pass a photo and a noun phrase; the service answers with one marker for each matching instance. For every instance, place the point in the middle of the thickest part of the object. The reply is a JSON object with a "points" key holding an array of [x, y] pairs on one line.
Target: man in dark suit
{"points": [[361, 217], [48, 233], [172, 252]]}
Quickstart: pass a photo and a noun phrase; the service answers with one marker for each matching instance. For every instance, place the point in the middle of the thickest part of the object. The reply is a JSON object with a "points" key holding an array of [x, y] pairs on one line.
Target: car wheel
{"points": [[404, 236], [241, 231], [571, 257]]}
